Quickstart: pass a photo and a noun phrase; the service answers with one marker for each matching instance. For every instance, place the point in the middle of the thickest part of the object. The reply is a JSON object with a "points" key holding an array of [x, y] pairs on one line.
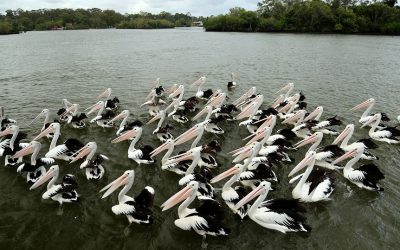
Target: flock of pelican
{"points": [[254, 163]]}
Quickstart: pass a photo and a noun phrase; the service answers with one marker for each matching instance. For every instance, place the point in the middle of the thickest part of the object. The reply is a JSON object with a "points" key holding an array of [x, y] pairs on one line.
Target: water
{"points": [[38, 69]]}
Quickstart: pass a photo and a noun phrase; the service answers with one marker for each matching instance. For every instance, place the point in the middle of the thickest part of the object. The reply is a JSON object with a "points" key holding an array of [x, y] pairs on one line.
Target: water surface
{"points": [[38, 69]]}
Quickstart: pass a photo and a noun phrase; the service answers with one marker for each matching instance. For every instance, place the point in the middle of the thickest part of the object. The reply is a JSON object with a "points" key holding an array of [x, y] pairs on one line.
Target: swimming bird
{"points": [[388, 134], [64, 111], [196, 131], [366, 176], [63, 151], [46, 114], [211, 126], [345, 136], [36, 168], [162, 133], [102, 120], [368, 105], [233, 83], [315, 184], [109, 104], [62, 193], [139, 155], [138, 209], [204, 220], [11, 144], [249, 93], [283, 215], [4, 121], [94, 169], [204, 95], [74, 119]]}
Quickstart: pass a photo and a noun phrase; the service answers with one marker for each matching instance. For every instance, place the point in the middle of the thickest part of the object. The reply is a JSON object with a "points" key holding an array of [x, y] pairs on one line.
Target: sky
{"points": [[195, 7]]}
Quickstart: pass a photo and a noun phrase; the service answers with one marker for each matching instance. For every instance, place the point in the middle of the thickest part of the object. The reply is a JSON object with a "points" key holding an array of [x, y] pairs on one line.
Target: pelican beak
{"points": [[257, 136], [120, 181], [177, 92], [43, 133], [125, 136], [305, 162], [306, 141], [203, 111], [347, 155], [37, 117], [249, 92], [71, 109], [266, 123], [250, 196], [371, 120], [362, 105], [171, 89], [155, 118], [278, 101], [342, 135], [105, 94], [149, 96], [247, 111], [161, 148], [189, 134], [283, 89], [313, 114], [178, 197], [94, 107], [199, 82], [7, 131], [181, 157], [49, 174], [246, 153], [293, 118], [232, 171], [236, 151], [25, 151], [217, 101], [81, 153], [286, 107], [118, 117]]}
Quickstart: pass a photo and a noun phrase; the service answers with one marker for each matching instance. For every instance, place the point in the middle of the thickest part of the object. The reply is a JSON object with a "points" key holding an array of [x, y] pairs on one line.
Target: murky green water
{"points": [[38, 69]]}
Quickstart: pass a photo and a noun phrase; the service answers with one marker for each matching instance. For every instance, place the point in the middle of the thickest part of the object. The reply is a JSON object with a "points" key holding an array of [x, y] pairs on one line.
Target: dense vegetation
{"points": [[15, 21], [332, 16]]}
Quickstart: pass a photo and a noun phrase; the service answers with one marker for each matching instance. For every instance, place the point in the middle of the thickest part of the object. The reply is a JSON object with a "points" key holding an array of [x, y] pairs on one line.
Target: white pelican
{"points": [[252, 91], [36, 168], [4, 121], [136, 209], [46, 114], [232, 84], [369, 105], [74, 119], [366, 143], [62, 193], [366, 176], [11, 144], [196, 131], [211, 126], [388, 134], [204, 95], [314, 185], [109, 104], [124, 125], [94, 169], [63, 112], [288, 88], [282, 215], [325, 155], [204, 220], [225, 111], [102, 120], [139, 155], [162, 133], [169, 145], [64, 151]]}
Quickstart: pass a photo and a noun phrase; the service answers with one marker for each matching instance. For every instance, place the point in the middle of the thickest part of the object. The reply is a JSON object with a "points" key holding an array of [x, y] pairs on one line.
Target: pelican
{"points": [[46, 114], [245, 96], [211, 126], [326, 155], [169, 145], [204, 220], [232, 84], [4, 120], [366, 176], [94, 169], [62, 193], [74, 119], [314, 185], [225, 111], [162, 132], [125, 125], [136, 209], [109, 104], [196, 131], [102, 120], [368, 105], [10, 145], [282, 215], [139, 155], [36, 168], [345, 136], [64, 151], [288, 88], [388, 134], [63, 112], [204, 95]]}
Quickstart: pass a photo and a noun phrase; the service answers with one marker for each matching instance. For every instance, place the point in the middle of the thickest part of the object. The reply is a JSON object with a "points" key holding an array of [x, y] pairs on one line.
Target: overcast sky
{"points": [[195, 7]]}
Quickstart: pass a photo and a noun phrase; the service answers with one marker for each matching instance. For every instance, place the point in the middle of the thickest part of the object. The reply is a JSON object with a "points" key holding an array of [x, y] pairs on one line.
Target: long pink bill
{"points": [[177, 198], [120, 181], [166, 145], [49, 174], [44, 133], [232, 171], [25, 151], [249, 197], [347, 155], [343, 135], [81, 153], [125, 136], [305, 162]]}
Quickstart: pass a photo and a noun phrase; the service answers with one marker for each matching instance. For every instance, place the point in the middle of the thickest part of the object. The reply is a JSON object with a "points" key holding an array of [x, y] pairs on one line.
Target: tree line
{"points": [[330, 16], [15, 21]]}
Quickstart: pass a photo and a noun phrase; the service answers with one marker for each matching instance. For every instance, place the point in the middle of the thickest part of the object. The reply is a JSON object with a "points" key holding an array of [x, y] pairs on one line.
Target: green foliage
{"points": [[46, 19], [330, 16]]}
